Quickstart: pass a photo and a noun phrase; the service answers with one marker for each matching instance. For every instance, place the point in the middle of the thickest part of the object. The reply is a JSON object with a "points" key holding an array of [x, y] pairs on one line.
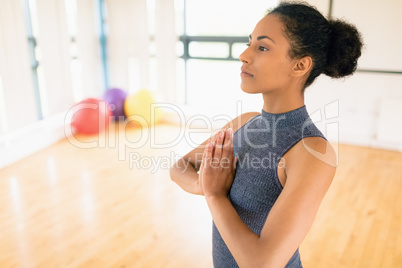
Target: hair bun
{"points": [[344, 50]]}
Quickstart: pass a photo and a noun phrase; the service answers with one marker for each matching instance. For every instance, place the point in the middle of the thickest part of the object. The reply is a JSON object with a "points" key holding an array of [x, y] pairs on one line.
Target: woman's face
{"points": [[267, 66]]}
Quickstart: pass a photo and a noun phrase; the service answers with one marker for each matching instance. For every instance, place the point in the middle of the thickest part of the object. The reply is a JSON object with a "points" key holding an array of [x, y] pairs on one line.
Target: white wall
{"points": [[369, 104], [21, 131], [130, 25], [360, 99], [362, 96], [71, 72], [90, 80], [15, 69], [128, 39], [381, 25]]}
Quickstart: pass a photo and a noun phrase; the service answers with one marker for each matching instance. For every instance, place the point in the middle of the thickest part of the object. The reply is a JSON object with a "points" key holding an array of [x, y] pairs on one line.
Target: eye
{"points": [[248, 44], [261, 48]]}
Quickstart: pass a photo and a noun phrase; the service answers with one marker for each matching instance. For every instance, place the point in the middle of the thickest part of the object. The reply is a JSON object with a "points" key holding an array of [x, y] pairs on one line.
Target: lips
{"points": [[245, 73]]}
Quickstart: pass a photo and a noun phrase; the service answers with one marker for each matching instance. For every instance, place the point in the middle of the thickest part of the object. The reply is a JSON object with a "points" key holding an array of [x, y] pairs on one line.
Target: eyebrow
{"points": [[263, 37]]}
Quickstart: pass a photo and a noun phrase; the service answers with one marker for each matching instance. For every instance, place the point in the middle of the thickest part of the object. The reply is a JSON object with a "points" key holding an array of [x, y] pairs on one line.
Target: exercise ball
{"points": [[138, 107], [115, 97], [91, 116]]}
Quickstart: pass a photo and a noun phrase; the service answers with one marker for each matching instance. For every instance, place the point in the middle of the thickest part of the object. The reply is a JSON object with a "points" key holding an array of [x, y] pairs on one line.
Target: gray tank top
{"points": [[260, 144]]}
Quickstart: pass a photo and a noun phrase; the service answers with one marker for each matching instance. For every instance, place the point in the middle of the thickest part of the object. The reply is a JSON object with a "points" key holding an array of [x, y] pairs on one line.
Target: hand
{"points": [[218, 166], [198, 187]]}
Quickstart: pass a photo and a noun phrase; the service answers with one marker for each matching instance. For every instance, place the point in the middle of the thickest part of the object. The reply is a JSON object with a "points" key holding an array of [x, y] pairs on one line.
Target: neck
{"points": [[281, 103]]}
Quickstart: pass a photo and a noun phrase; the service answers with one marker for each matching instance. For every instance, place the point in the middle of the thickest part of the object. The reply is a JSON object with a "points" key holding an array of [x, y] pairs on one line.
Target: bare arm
{"points": [[184, 171], [308, 179]]}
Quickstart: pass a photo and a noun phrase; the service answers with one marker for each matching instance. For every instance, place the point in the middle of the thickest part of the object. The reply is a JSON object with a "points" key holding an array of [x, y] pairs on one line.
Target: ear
{"points": [[302, 66]]}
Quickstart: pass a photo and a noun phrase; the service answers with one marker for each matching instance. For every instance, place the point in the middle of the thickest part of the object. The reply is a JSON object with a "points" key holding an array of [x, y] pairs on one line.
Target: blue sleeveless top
{"points": [[260, 144]]}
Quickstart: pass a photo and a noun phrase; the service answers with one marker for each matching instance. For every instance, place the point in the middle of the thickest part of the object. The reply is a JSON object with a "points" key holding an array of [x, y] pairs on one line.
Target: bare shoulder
{"points": [[311, 158], [320, 149], [310, 168], [241, 120], [237, 122], [314, 149]]}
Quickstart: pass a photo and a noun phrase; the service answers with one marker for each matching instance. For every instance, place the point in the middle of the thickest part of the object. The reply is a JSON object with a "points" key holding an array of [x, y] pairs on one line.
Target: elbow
{"points": [[176, 170], [172, 173], [262, 257]]}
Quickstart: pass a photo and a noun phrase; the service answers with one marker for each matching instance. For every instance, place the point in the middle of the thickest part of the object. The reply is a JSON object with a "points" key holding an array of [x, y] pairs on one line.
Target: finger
{"points": [[201, 172], [229, 136], [214, 135], [226, 158], [213, 144], [202, 157], [228, 149], [219, 144], [205, 154], [208, 154], [203, 160], [202, 164]]}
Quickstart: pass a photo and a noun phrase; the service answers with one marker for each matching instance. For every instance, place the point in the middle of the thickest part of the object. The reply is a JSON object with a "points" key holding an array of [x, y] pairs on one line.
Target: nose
{"points": [[245, 57]]}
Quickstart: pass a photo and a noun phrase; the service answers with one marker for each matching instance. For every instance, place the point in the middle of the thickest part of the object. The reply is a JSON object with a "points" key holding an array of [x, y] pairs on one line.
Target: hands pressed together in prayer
{"points": [[218, 166]]}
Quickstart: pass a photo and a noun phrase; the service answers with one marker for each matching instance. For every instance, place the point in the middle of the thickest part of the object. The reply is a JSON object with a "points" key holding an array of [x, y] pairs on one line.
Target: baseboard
{"points": [[25, 141]]}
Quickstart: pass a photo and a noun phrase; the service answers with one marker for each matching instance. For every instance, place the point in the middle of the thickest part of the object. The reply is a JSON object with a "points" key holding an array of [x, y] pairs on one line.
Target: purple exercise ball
{"points": [[115, 97]]}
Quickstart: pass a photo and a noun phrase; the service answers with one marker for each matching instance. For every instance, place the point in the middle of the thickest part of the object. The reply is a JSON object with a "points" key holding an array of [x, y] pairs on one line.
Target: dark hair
{"points": [[333, 45]]}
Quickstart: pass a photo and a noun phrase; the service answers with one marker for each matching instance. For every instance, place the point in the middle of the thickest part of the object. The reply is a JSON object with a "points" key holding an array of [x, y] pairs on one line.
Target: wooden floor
{"points": [[114, 205]]}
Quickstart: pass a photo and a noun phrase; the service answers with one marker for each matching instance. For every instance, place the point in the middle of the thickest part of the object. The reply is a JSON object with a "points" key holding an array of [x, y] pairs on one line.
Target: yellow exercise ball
{"points": [[138, 107]]}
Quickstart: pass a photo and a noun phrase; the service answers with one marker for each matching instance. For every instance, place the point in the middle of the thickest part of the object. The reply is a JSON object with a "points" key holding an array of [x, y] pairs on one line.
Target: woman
{"points": [[265, 174]]}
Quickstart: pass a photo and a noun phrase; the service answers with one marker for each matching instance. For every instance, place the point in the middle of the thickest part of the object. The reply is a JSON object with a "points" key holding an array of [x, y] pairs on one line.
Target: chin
{"points": [[248, 89]]}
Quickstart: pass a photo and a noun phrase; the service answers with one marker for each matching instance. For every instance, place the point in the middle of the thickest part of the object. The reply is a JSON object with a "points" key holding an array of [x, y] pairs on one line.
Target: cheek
{"points": [[276, 71], [270, 73]]}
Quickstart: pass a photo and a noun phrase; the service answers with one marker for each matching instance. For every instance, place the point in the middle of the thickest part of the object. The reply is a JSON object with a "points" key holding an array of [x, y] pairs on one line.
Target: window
{"points": [[214, 34]]}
